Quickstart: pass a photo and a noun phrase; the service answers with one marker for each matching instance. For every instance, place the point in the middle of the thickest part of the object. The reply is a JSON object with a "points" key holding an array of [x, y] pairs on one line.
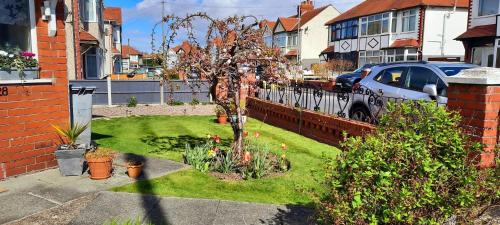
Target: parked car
{"points": [[402, 81], [346, 82]]}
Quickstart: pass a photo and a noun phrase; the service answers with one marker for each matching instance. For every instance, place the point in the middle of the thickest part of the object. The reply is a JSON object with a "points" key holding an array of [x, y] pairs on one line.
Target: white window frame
{"points": [[408, 16], [366, 21], [292, 40], [364, 55], [406, 54], [95, 15], [478, 11]]}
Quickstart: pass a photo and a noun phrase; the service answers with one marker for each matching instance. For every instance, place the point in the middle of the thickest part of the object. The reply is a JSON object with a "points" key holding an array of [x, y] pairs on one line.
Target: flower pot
{"points": [[100, 168], [244, 119], [222, 119], [13, 74], [134, 171], [70, 162]]}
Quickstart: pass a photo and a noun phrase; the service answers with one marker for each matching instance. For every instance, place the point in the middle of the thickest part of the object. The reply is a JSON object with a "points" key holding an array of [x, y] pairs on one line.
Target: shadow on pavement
{"points": [[293, 214], [150, 203]]}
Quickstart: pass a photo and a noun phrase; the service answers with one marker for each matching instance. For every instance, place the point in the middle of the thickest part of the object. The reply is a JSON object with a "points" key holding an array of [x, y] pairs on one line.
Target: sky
{"points": [[140, 16]]}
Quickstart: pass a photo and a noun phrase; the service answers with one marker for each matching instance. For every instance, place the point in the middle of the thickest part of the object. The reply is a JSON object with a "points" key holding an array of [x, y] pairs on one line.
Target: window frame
{"points": [[408, 17], [380, 18], [347, 29], [439, 81], [85, 15], [402, 80], [479, 7]]}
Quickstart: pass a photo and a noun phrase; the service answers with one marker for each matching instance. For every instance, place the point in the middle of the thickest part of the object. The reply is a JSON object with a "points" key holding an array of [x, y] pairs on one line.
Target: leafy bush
{"points": [[132, 102], [173, 102], [194, 102], [413, 169], [198, 157]]}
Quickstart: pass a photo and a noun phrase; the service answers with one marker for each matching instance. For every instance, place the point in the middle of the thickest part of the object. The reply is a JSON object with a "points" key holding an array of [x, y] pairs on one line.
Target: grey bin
{"points": [[81, 110]]}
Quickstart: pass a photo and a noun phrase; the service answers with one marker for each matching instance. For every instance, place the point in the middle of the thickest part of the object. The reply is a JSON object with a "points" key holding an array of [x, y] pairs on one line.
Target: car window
{"points": [[452, 71], [418, 77], [392, 76]]}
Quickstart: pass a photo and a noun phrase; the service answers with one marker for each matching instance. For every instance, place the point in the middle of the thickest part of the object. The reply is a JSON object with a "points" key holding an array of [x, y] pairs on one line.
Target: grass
{"points": [[165, 137]]}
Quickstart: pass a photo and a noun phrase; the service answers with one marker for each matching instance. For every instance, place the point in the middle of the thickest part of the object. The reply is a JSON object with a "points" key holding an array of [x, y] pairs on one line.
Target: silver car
{"points": [[401, 81]]}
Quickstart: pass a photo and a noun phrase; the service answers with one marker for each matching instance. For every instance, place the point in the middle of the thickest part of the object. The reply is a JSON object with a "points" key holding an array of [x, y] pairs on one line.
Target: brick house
{"points": [[482, 38], [29, 107], [377, 31]]}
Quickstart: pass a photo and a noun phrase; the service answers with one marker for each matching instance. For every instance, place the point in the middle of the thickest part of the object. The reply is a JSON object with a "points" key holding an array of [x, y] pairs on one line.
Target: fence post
{"points": [[475, 94], [162, 96], [110, 97]]}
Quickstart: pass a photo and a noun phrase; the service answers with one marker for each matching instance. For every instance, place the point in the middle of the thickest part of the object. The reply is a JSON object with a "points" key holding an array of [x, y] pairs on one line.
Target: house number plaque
{"points": [[4, 91]]}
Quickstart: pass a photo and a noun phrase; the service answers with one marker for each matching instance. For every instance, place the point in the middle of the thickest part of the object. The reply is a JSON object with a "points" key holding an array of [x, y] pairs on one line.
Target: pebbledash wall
{"points": [[27, 110]]}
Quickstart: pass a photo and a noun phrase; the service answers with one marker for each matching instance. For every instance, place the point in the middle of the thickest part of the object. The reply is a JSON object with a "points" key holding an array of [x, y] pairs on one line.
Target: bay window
{"points": [[409, 20], [401, 55], [375, 24], [370, 57], [488, 7], [345, 30]]}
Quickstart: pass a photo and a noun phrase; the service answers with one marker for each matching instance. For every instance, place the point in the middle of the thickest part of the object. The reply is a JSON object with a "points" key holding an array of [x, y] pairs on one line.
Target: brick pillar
{"points": [[475, 94]]}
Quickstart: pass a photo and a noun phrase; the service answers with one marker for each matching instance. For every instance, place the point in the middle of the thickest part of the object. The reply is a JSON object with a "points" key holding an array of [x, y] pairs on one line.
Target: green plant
{"points": [[199, 157], [226, 164], [194, 102], [259, 164], [99, 153], [173, 102], [414, 169], [14, 58], [132, 102], [220, 111], [70, 135]]}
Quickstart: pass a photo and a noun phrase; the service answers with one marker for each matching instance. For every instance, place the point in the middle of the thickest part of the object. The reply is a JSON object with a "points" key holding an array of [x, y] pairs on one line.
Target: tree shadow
{"points": [[97, 136], [163, 144], [150, 202], [292, 214]]}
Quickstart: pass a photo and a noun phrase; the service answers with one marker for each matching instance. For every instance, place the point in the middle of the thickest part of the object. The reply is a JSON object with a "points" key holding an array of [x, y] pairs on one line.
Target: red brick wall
{"points": [[27, 140], [320, 127], [479, 106]]}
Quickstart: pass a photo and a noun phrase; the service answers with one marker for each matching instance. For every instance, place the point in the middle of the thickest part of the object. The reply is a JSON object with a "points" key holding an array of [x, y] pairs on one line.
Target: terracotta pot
{"points": [[134, 171], [222, 119], [100, 168]]}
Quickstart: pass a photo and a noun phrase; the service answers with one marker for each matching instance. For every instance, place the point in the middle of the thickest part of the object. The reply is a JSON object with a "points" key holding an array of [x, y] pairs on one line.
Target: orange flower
{"points": [[245, 133], [283, 146], [217, 139], [257, 134], [216, 150], [247, 157]]}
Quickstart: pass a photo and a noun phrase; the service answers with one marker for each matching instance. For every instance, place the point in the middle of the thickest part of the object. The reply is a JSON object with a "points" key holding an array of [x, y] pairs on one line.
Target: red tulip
{"points": [[245, 133], [257, 134], [247, 157]]}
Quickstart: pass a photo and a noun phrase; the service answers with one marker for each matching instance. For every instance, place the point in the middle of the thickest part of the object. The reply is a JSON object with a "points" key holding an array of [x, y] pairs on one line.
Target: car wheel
{"points": [[360, 113]]}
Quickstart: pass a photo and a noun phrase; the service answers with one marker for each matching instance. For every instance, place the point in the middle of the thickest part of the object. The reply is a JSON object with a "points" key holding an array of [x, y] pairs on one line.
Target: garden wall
{"points": [[27, 109], [318, 126]]}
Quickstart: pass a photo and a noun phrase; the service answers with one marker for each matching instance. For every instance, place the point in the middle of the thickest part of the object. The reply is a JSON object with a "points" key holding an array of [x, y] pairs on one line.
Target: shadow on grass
{"points": [[97, 136], [162, 144], [150, 203], [292, 214]]}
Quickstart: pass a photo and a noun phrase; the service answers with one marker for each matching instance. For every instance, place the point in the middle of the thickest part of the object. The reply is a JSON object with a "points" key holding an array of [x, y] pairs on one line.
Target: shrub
{"points": [[173, 102], [413, 169], [132, 102], [194, 102]]}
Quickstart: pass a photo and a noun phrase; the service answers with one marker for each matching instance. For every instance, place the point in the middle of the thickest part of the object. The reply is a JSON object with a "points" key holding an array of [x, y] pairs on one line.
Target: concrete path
{"points": [[36, 192]]}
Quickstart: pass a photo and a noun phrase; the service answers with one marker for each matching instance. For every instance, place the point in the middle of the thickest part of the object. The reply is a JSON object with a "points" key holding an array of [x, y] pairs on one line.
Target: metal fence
{"points": [[145, 91], [361, 104]]}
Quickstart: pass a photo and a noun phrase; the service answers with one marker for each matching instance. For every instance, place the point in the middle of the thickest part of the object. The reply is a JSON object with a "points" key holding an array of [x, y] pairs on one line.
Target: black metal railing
{"points": [[362, 104]]}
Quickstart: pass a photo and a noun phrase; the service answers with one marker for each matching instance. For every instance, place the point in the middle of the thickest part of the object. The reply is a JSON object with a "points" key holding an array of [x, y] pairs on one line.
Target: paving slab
{"points": [[46, 189]]}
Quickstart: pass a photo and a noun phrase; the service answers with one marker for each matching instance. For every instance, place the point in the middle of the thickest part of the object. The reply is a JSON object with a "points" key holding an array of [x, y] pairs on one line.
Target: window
{"points": [[93, 64], [488, 7], [394, 27], [401, 54], [88, 10], [16, 25], [483, 56], [269, 41], [370, 57], [345, 30], [392, 76], [409, 20], [292, 40], [376, 24], [418, 77]]}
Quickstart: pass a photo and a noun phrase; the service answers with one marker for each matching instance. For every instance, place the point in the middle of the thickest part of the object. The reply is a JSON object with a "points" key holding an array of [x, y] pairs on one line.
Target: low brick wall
{"points": [[320, 127]]}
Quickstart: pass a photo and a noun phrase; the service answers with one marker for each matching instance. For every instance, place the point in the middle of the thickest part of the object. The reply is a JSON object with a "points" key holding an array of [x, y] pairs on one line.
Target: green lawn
{"points": [[165, 137]]}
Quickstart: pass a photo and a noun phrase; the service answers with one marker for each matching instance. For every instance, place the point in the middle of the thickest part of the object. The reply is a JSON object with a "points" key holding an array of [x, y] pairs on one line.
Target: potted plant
{"points": [[18, 65], [221, 114], [69, 154], [100, 161], [134, 168]]}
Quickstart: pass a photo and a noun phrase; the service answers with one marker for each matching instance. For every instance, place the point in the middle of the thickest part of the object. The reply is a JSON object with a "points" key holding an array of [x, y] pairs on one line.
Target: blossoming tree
{"points": [[227, 57]]}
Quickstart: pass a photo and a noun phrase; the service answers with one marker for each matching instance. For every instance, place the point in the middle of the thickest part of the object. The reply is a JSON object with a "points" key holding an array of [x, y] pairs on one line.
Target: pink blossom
{"points": [[28, 54]]}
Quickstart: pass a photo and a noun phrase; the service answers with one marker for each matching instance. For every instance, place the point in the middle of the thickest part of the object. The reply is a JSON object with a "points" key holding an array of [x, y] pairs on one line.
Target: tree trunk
{"points": [[238, 126]]}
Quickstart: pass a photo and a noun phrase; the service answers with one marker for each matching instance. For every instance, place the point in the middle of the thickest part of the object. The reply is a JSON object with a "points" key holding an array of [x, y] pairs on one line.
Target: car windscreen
{"points": [[453, 70]]}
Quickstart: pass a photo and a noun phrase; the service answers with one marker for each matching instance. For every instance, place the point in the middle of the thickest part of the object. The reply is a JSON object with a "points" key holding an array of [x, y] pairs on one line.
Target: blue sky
{"points": [[139, 16]]}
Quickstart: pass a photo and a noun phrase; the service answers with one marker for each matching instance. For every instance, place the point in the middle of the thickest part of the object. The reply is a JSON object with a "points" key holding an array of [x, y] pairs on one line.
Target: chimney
{"points": [[304, 7]]}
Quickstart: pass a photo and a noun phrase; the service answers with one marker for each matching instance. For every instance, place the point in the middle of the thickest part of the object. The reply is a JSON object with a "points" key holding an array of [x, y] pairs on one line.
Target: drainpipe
{"points": [[446, 16]]}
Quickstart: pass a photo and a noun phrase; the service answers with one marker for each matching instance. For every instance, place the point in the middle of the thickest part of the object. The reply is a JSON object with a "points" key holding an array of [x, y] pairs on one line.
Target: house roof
{"points": [[330, 49], [401, 43], [113, 14], [128, 50], [291, 23], [479, 31], [87, 37], [185, 47], [370, 7], [268, 23], [116, 52]]}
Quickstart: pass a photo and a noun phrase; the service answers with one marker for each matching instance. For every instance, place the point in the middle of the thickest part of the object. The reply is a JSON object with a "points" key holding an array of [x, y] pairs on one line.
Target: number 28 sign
{"points": [[4, 91]]}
